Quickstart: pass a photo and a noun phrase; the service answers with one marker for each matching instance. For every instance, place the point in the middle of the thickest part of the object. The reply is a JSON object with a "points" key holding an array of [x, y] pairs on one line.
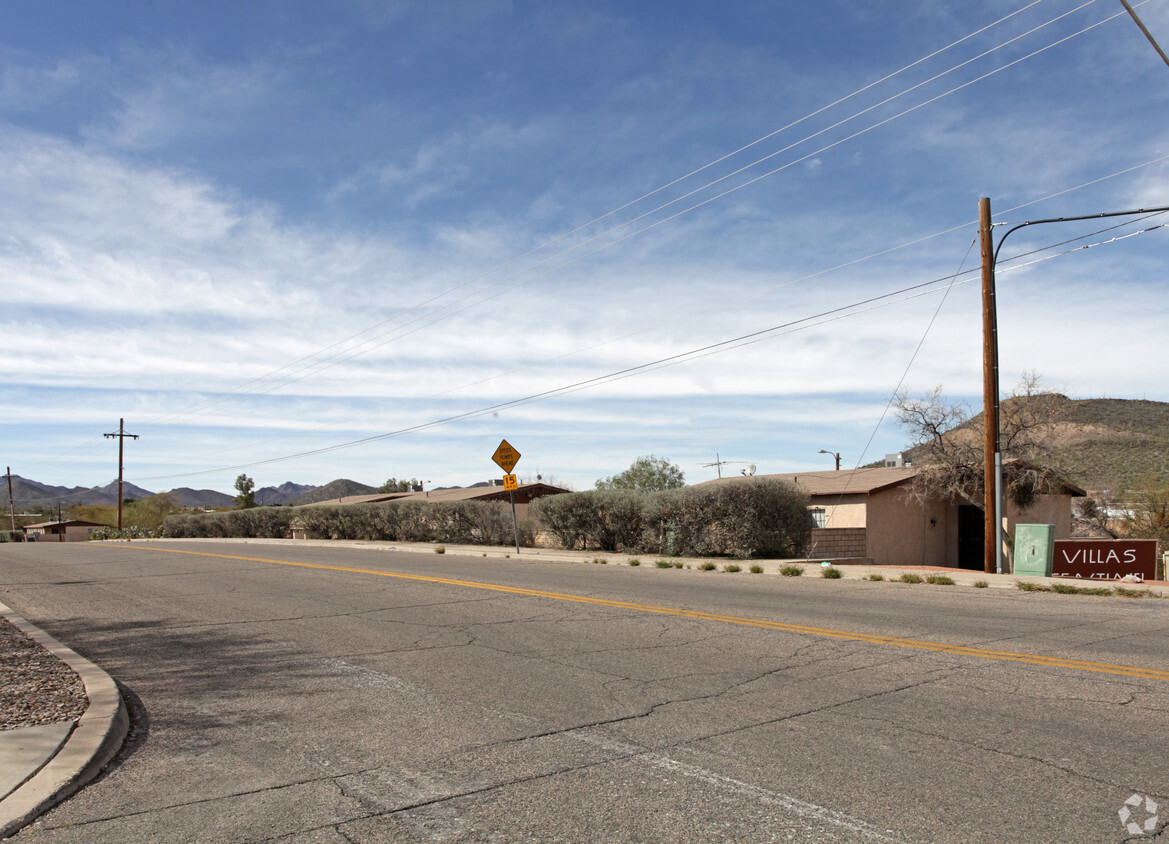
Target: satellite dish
{"points": [[750, 470]]}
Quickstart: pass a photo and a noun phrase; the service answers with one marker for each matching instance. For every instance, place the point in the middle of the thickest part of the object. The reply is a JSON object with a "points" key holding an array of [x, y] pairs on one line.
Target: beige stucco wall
{"points": [[904, 532], [842, 511]]}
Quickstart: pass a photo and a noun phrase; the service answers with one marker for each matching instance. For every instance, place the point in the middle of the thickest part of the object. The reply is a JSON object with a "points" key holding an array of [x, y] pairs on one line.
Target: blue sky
{"points": [[261, 232]]}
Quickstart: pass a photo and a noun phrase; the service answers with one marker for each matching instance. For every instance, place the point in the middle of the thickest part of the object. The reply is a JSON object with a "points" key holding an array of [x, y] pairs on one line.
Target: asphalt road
{"points": [[374, 696]]}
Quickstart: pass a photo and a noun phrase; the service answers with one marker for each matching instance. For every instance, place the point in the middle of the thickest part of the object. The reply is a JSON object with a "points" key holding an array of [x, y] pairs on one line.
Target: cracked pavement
{"points": [[309, 705]]}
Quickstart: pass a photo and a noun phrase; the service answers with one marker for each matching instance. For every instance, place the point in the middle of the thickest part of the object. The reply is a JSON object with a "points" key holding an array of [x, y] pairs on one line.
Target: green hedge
{"points": [[760, 517], [479, 522], [611, 520]]}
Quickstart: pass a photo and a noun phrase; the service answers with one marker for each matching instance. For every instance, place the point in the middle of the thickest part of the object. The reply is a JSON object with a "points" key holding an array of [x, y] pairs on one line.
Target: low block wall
{"points": [[837, 542]]}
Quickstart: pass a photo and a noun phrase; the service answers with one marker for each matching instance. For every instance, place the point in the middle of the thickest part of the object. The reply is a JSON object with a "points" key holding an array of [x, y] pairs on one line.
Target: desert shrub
{"points": [[761, 517], [610, 520], [568, 516], [265, 522], [618, 519]]}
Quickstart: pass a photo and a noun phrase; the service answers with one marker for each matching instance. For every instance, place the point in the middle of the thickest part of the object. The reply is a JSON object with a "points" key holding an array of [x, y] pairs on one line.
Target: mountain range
{"points": [[1099, 444], [32, 495]]}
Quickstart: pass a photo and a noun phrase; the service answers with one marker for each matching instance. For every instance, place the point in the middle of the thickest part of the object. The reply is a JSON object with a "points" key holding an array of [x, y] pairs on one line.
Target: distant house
{"points": [[70, 530], [524, 495], [866, 515]]}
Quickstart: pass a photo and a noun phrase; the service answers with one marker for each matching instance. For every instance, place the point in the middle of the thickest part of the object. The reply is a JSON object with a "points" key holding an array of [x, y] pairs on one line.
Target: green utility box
{"points": [[1034, 549]]}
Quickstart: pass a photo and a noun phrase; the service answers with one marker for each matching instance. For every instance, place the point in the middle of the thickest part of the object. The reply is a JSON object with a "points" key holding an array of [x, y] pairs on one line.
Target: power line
{"points": [[821, 318], [344, 354]]}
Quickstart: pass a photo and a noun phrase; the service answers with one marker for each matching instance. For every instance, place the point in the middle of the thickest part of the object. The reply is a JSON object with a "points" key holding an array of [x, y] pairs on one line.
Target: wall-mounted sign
{"points": [[1105, 559]]}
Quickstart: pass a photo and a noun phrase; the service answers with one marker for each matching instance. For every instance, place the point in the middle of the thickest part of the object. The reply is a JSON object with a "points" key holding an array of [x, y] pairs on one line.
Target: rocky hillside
{"points": [[1106, 444]]}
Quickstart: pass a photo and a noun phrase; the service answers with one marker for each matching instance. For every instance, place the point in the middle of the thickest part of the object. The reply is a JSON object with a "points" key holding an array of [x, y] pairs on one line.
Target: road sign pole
{"points": [[505, 458], [515, 525]]}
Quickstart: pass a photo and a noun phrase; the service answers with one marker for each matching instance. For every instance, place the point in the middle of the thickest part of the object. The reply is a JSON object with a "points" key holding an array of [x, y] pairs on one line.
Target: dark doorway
{"points": [[971, 538]]}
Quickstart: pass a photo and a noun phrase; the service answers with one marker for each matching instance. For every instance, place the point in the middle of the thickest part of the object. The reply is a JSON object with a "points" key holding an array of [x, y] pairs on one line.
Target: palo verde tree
{"points": [[246, 488], [947, 443], [647, 474]]}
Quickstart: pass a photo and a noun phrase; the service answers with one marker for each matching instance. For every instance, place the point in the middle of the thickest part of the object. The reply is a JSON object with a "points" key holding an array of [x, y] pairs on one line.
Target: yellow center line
{"points": [[962, 650]]}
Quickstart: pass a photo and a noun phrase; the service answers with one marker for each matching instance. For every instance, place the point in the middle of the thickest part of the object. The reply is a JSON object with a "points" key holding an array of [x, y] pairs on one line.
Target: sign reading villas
{"points": [[1100, 559]]}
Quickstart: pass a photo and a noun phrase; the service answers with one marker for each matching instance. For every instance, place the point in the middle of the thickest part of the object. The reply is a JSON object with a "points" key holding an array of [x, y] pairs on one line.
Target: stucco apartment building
{"points": [[867, 514]]}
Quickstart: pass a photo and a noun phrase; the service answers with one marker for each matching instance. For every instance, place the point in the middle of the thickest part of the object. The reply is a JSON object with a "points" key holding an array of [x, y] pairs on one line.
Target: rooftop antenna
{"points": [[719, 462]]}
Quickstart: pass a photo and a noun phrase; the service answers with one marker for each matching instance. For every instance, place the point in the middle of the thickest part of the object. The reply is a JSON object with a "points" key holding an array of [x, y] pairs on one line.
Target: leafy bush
{"points": [[761, 517], [791, 571], [939, 579], [610, 520], [831, 573], [909, 577], [481, 522]]}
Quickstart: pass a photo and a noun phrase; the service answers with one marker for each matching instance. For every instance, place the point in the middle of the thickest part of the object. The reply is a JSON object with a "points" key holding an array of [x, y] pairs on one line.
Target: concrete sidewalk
{"points": [[41, 766]]}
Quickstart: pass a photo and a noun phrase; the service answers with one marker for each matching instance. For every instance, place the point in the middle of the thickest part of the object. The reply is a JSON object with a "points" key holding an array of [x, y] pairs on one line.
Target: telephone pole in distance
{"points": [[121, 435]]}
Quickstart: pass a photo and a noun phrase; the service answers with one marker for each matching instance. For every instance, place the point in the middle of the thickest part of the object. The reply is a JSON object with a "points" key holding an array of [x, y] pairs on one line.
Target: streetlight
{"points": [[835, 454]]}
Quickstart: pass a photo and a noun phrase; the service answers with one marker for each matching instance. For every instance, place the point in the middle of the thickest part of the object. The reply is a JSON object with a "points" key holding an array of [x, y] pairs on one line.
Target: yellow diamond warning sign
{"points": [[506, 457]]}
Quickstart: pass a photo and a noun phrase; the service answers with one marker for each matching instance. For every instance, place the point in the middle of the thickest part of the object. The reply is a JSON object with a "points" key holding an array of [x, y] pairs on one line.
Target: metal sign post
{"points": [[506, 457]]}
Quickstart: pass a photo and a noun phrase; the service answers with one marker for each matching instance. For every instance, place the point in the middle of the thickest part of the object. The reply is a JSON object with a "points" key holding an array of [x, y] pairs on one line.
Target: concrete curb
{"points": [[90, 746]]}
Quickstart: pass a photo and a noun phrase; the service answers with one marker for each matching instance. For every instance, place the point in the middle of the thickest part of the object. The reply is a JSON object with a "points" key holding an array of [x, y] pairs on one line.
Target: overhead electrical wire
{"points": [[480, 298], [315, 365], [829, 315], [1003, 263]]}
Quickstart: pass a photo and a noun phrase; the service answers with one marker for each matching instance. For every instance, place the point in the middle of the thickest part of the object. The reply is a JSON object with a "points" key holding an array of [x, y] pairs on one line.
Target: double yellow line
{"points": [[961, 650]]}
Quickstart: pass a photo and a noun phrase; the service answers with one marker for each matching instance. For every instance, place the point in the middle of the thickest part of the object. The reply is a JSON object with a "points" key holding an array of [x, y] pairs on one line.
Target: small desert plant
{"points": [[1125, 592], [707, 566], [939, 579], [875, 576], [438, 549], [832, 573], [633, 561], [732, 568], [679, 565], [981, 584], [664, 564], [909, 577], [756, 569], [791, 571]]}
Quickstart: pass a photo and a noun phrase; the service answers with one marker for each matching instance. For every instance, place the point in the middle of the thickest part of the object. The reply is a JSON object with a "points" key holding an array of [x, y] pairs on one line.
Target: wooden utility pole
{"points": [[990, 392], [121, 435], [11, 506]]}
